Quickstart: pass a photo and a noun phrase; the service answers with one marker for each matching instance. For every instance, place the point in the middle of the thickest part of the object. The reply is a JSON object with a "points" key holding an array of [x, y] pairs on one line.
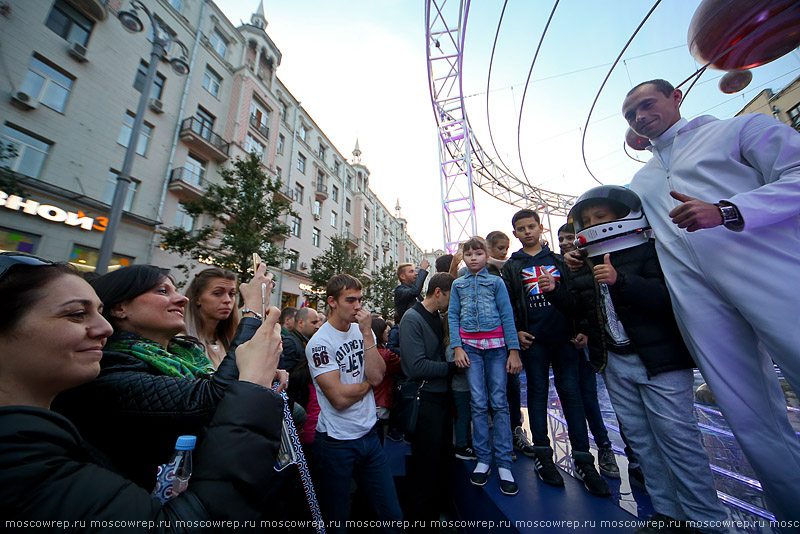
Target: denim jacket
{"points": [[479, 303]]}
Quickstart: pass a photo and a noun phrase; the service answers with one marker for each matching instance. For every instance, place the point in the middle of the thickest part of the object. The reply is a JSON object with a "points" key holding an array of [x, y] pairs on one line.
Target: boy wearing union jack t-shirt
{"points": [[544, 335]]}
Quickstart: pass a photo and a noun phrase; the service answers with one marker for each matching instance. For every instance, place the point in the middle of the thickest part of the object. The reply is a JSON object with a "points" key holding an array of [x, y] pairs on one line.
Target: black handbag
{"points": [[408, 406]]}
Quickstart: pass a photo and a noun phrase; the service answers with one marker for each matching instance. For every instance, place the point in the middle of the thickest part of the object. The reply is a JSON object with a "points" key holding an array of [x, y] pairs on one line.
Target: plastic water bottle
{"points": [[181, 463], [173, 477]]}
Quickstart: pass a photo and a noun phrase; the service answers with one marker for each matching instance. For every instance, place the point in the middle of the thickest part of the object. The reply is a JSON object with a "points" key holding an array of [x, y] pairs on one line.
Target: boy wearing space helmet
{"points": [[621, 296]]}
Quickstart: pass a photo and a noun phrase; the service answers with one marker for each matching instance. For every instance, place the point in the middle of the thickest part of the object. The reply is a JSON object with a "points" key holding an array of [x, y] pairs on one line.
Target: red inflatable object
{"points": [[761, 30], [636, 141], [735, 81]]}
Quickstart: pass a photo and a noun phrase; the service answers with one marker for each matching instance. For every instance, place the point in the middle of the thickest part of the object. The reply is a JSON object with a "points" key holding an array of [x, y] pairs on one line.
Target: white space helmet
{"points": [[629, 229]]}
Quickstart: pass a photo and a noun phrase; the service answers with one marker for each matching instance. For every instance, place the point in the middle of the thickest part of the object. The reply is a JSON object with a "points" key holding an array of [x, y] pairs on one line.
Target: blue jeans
{"points": [[336, 462], [657, 414], [487, 384], [594, 417], [564, 357]]}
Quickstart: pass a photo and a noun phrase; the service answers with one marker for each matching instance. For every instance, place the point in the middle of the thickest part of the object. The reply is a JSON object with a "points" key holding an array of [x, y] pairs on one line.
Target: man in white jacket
{"points": [[723, 197]]}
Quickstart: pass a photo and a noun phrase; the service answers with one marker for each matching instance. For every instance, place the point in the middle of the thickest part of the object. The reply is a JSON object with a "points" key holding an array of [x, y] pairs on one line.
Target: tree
{"points": [[243, 215], [8, 182], [337, 259], [380, 292]]}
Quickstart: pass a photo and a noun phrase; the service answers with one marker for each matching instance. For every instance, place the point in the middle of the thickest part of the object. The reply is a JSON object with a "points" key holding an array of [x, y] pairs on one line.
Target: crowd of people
{"points": [[97, 380]]}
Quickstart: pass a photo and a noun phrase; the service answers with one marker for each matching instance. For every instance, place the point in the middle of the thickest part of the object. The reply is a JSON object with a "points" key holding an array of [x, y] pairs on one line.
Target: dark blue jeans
{"points": [[337, 462], [588, 384], [564, 358]]}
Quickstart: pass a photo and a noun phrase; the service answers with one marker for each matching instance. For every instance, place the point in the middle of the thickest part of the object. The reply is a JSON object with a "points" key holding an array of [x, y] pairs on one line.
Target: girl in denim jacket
{"points": [[484, 337]]}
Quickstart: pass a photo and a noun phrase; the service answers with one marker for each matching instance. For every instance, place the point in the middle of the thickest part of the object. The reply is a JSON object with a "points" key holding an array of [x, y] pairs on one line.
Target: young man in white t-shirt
{"points": [[345, 364]]}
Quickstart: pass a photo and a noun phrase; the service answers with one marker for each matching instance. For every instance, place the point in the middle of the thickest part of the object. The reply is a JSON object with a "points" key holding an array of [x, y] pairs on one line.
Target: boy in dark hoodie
{"points": [[621, 297], [544, 336]]}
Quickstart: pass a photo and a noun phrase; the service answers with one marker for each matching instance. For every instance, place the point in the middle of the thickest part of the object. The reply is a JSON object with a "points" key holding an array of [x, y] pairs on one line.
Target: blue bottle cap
{"points": [[185, 443]]}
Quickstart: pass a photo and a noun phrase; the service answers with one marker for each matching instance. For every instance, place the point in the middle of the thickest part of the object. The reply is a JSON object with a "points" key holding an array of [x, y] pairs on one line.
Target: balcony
{"points": [[199, 136], [351, 240], [284, 194], [184, 180], [260, 128], [320, 191]]}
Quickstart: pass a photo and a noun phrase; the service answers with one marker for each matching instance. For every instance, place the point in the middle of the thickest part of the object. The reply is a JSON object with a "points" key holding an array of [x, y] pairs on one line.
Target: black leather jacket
{"points": [[133, 414], [642, 303], [47, 472]]}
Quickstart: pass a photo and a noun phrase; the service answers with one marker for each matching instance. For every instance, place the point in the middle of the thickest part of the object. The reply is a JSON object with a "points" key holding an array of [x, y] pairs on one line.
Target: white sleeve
{"points": [[320, 356]]}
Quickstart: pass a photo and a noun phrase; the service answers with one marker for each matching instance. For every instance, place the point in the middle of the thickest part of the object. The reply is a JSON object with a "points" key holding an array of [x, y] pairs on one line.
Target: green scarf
{"points": [[181, 358]]}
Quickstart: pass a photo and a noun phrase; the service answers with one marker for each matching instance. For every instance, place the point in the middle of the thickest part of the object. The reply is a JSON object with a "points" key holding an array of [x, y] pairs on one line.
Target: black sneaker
{"points": [[607, 462], [636, 478], [522, 443], [508, 487], [465, 453], [547, 470], [594, 483], [479, 479], [395, 434]]}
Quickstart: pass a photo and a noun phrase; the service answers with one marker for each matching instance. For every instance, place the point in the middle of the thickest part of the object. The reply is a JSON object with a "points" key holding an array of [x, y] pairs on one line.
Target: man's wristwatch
{"points": [[731, 217]]}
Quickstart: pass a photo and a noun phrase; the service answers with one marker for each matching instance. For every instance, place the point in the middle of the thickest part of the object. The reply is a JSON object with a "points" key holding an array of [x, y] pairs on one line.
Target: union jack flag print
{"points": [[530, 277]]}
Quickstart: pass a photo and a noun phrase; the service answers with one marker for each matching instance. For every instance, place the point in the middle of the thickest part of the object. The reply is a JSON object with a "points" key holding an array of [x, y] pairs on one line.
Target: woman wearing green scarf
{"points": [[153, 385]]}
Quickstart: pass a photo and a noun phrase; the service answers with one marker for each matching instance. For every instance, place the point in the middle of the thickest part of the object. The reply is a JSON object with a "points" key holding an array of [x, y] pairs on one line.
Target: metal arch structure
{"points": [[462, 161]]}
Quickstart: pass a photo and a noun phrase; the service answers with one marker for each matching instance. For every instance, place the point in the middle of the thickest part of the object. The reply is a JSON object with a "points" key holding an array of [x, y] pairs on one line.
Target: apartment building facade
{"points": [[67, 105]]}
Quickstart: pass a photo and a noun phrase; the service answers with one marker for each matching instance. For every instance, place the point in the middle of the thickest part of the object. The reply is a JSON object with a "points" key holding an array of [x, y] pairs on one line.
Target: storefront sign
{"points": [[53, 213]]}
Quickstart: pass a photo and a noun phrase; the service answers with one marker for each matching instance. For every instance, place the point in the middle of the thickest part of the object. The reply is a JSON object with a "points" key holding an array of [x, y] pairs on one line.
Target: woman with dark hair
{"points": [[52, 334], [211, 315], [153, 385], [384, 392]]}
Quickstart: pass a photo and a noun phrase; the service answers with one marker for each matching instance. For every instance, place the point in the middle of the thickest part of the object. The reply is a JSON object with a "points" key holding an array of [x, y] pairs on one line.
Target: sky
{"points": [[359, 67]]}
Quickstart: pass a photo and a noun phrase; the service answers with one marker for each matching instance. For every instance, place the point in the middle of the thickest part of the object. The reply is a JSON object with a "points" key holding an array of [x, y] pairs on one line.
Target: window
{"points": [[281, 140], [349, 182], [366, 235], [85, 258], [366, 217], [347, 205], [794, 116], [125, 133], [294, 225], [251, 144], [219, 43], [298, 193], [31, 151], [195, 169], [204, 124], [315, 234], [360, 182], [333, 219], [47, 84], [302, 132], [317, 209], [164, 31], [291, 260], [320, 180], [284, 111], [111, 187], [259, 113], [183, 219], [322, 153], [211, 81], [158, 82], [69, 23], [335, 193], [336, 167], [16, 241], [278, 172], [301, 163]]}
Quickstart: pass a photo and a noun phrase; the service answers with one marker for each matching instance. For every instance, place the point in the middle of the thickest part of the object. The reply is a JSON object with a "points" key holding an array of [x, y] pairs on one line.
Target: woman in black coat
{"points": [[52, 335], [154, 385]]}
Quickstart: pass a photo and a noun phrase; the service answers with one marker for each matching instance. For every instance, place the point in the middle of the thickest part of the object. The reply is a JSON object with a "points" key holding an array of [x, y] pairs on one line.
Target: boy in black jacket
{"points": [[544, 336], [621, 297]]}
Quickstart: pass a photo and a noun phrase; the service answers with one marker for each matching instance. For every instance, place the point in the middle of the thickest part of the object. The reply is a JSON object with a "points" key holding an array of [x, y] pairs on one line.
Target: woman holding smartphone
{"points": [[52, 337], [154, 385], [211, 314]]}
